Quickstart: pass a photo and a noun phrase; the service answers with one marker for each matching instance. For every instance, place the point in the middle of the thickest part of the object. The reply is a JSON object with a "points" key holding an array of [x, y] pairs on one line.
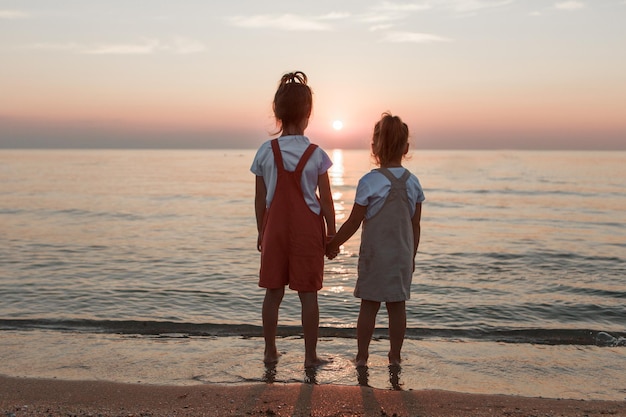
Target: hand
{"points": [[258, 242], [331, 253], [331, 250]]}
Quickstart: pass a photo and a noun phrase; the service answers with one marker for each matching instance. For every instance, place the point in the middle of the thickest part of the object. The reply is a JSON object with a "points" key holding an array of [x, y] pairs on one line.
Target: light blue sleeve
{"points": [[257, 163], [325, 162], [363, 193], [420, 191]]}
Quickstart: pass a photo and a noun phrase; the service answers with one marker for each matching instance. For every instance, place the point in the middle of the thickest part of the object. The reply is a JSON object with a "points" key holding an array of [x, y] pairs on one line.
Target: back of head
{"points": [[293, 100], [390, 138]]}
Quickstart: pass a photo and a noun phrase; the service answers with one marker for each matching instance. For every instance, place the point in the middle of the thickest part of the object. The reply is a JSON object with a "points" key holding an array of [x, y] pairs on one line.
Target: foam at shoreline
{"points": [[477, 367]]}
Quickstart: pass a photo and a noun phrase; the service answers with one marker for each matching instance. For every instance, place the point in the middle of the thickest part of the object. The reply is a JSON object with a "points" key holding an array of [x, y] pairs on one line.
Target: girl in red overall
{"points": [[291, 219]]}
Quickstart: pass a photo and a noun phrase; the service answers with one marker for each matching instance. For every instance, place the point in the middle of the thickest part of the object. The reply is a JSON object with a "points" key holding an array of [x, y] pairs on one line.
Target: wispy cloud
{"points": [[413, 37], [51, 46], [468, 6], [382, 16], [287, 22], [13, 14], [570, 5], [382, 26], [144, 47], [176, 45], [336, 16], [387, 6]]}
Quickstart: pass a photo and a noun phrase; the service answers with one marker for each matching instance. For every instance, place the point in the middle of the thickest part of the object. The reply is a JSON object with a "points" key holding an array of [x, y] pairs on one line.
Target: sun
{"points": [[337, 125]]}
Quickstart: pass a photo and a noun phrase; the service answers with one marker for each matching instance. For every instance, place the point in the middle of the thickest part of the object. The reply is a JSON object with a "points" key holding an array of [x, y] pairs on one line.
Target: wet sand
{"points": [[50, 397]]}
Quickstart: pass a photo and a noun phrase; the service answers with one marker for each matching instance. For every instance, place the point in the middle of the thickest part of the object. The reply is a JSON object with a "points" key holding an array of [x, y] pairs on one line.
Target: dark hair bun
{"points": [[294, 77]]}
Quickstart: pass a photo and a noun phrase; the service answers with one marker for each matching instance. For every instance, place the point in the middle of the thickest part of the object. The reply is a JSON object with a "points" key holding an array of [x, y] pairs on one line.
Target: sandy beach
{"points": [[45, 397]]}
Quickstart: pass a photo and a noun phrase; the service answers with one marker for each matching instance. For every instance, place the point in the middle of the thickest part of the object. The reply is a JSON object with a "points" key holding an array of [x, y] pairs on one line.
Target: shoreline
{"points": [[481, 368], [52, 397]]}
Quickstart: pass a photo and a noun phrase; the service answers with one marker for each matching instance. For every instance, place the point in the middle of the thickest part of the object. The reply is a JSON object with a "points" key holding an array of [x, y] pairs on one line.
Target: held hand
{"points": [[332, 250], [331, 253]]}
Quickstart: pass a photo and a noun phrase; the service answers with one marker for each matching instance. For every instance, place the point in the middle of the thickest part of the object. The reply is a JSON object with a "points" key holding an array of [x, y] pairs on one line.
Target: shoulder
{"points": [[414, 185], [321, 153], [263, 155], [321, 158], [264, 148], [414, 180], [371, 180], [372, 176]]}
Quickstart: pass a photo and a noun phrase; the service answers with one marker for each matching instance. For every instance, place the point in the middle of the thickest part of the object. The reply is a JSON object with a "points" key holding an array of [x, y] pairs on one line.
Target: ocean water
{"points": [[522, 251]]}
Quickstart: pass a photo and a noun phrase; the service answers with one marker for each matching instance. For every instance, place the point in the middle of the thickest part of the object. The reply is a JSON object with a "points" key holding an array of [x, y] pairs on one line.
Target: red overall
{"points": [[292, 243]]}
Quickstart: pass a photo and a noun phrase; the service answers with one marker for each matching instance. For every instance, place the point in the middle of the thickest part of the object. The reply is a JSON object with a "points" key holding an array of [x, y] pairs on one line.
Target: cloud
{"points": [[287, 22], [145, 47], [386, 12], [465, 6], [176, 45], [400, 7], [68, 46], [570, 5], [380, 27], [383, 14], [336, 16], [13, 14], [413, 37], [183, 45]]}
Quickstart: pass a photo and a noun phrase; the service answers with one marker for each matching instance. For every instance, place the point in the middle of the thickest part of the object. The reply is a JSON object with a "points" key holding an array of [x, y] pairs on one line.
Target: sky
{"points": [[463, 74]]}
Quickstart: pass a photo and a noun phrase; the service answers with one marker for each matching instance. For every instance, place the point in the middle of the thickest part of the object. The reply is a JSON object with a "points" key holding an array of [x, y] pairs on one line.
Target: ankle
{"points": [[394, 358], [361, 359]]}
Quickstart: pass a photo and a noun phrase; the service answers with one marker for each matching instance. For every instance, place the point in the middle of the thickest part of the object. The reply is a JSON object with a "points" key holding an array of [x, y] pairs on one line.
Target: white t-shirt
{"points": [[374, 187], [291, 148]]}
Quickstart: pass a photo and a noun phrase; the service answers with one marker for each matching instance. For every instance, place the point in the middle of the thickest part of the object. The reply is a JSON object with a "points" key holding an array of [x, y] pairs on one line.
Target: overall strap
{"points": [[278, 157], [392, 178], [304, 158]]}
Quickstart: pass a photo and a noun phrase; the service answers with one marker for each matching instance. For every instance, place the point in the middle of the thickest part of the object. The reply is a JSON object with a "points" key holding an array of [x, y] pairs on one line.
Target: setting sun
{"points": [[337, 125]]}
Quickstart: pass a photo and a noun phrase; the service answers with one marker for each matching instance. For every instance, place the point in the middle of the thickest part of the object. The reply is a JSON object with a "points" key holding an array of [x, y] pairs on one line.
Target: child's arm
{"points": [[259, 208], [347, 230], [417, 229], [326, 201]]}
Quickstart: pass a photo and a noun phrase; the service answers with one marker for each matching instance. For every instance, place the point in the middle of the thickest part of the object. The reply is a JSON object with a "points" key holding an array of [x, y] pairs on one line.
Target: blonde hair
{"points": [[389, 140], [293, 101]]}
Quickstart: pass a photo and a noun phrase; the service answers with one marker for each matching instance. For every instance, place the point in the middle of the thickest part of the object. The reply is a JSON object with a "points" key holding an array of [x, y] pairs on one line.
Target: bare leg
{"points": [[271, 304], [397, 328], [365, 329], [310, 326]]}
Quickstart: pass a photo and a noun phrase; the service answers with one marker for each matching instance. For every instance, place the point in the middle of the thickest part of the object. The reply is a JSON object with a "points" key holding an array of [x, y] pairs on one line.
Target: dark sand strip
{"points": [[42, 397]]}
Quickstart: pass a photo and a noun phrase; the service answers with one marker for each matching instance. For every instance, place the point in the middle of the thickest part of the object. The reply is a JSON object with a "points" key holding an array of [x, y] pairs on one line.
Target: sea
{"points": [[141, 266]]}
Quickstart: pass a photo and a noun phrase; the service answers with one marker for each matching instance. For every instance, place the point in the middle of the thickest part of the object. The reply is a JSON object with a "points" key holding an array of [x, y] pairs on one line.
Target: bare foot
{"points": [[271, 356], [314, 363]]}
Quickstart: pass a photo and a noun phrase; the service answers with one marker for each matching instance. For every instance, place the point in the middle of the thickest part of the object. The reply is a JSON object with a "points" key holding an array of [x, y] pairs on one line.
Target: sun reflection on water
{"points": [[337, 170]]}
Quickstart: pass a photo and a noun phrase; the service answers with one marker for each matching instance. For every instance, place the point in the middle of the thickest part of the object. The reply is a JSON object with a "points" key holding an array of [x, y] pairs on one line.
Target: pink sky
{"points": [[463, 74]]}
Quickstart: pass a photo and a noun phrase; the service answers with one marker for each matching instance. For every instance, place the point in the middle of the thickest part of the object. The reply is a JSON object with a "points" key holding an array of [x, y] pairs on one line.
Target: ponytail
{"points": [[389, 139], [293, 101]]}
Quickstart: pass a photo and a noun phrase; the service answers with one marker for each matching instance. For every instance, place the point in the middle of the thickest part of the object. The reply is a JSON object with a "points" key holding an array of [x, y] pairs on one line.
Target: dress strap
{"points": [[304, 158], [278, 157]]}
